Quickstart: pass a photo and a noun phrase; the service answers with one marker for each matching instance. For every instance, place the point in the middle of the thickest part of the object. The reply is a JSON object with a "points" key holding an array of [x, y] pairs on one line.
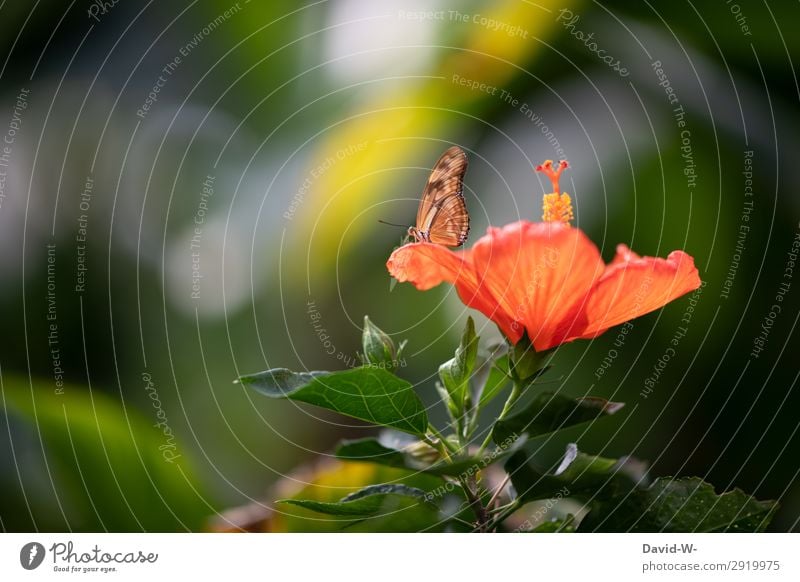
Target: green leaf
{"points": [[379, 349], [530, 380], [452, 408], [455, 373], [548, 412], [364, 508], [278, 382], [576, 474], [363, 503], [367, 393], [371, 450], [496, 379], [328, 481], [566, 525], [419, 456], [385, 489], [680, 505]]}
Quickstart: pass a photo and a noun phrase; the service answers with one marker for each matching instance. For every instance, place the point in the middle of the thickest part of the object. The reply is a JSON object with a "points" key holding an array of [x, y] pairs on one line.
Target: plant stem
{"points": [[505, 513], [446, 443], [516, 391], [485, 522], [461, 521], [498, 491], [482, 516]]}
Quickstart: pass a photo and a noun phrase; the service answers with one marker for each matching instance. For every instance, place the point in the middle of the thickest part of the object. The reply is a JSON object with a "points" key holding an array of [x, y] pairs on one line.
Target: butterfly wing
{"points": [[451, 224], [442, 215]]}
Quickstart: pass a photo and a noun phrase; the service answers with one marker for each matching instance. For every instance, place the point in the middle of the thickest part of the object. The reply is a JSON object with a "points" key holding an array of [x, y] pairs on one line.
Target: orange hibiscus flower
{"points": [[547, 279]]}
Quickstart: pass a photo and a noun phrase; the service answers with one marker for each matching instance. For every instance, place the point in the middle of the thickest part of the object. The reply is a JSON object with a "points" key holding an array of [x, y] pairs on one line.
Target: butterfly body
{"points": [[442, 216], [418, 235]]}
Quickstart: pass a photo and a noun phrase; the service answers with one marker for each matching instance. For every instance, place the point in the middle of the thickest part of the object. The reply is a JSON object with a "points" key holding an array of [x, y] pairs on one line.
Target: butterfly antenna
{"points": [[392, 224]]}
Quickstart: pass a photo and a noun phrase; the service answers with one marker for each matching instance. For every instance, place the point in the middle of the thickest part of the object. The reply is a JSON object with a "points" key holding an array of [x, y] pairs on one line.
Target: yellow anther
{"points": [[557, 207]]}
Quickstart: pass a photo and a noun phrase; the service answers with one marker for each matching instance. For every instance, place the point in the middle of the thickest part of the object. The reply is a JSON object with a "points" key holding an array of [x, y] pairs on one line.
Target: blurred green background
{"points": [[208, 174]]}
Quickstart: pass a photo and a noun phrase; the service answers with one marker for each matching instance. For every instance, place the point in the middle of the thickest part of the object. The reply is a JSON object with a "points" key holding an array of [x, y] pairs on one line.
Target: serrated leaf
{"points": [[368, 393], [363, 503], [455, 373], [575, 474], [548, 412], [680, 505]]}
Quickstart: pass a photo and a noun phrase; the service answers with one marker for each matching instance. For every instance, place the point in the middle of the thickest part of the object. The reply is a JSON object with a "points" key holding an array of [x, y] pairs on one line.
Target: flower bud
{"points": [[379, 349]]}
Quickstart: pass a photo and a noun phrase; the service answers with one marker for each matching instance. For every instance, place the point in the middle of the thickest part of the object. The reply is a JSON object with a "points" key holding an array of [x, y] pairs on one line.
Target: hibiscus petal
{"points": [[547, 279], [494, 259], [632, 286], [534, 272], [624, 254], [426, 265]]}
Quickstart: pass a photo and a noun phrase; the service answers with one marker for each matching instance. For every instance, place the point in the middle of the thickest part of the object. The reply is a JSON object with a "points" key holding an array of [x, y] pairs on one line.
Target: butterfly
{"points": [[442, 216]]}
